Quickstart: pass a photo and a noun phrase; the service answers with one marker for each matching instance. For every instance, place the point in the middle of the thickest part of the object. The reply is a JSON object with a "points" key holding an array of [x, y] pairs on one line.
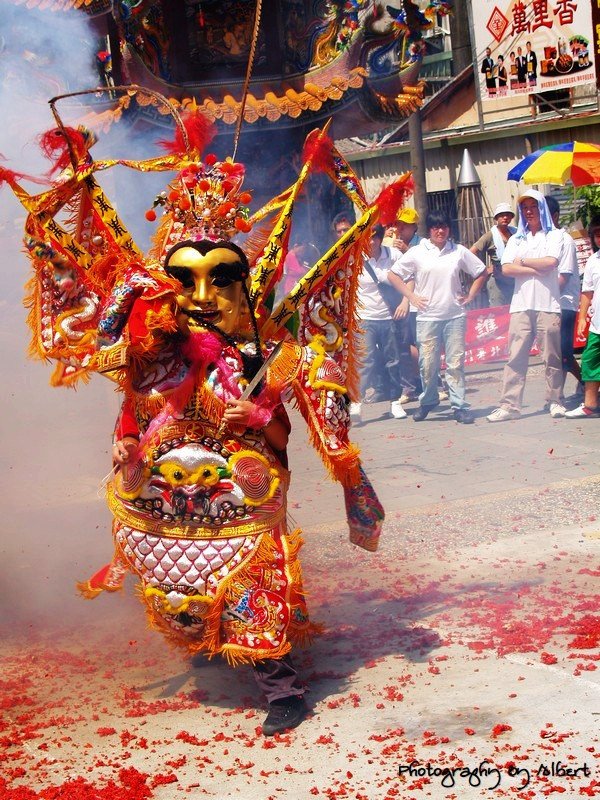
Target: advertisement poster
{"points": [[531, 46]]}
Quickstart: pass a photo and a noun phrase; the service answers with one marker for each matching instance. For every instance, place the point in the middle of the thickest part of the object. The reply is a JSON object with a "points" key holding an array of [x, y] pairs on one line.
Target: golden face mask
{"points": [[211, 294]]}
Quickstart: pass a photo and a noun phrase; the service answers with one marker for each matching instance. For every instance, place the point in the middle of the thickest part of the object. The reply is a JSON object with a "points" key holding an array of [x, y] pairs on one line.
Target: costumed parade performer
{"points": [[200, 476]]}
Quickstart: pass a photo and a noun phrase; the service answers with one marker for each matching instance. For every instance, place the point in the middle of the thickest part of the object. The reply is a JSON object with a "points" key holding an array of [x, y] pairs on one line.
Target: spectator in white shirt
{"points": [[590, 360], [429, 275], [402, 235], [570, 294], [380, 357], [532, 257]]}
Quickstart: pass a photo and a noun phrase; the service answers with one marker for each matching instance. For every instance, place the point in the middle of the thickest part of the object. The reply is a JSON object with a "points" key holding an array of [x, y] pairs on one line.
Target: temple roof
{"points": [[304, 66]]}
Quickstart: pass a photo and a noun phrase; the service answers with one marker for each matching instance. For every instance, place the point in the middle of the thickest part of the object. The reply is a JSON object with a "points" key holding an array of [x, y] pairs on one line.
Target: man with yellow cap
{"points": [[402, 234]]}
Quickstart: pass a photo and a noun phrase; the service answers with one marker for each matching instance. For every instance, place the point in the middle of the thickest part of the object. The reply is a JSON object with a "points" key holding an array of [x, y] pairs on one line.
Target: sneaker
{"points": [[557, 410], [443, 394], [355, 413], [370, 395], [284, 714], [502, 415], [583, 412], [397, 411], [464, 416]]}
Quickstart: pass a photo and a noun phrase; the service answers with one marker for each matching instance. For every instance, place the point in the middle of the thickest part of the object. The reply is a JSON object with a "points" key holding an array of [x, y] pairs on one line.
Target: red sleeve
{"points": [[126, 422]]}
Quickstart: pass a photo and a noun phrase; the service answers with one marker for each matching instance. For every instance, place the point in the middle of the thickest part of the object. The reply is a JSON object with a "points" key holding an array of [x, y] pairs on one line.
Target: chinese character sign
{"points": [[486, 337], [530, 46]]}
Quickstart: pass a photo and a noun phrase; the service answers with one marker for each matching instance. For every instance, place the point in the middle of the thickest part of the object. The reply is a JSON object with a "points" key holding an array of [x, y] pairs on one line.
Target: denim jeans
{"points": [[380, 363], [431, 335], [408, 373]]}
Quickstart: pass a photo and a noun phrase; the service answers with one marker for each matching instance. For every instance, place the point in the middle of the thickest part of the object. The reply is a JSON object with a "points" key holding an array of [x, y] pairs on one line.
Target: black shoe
{"points": [[421, 413], [284, 714], [464, 416]]}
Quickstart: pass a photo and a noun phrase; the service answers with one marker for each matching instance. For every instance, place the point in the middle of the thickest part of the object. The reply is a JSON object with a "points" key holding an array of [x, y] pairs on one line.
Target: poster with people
{"points": [[531, 46]]}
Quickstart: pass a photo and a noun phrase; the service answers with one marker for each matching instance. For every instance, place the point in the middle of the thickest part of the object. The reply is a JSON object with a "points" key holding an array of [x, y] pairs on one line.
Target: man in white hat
{"points": [[532, 257], [490, 248]]}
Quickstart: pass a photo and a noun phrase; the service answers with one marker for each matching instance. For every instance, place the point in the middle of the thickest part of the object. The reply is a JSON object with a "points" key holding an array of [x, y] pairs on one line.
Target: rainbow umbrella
{"points": [[558, 163]]}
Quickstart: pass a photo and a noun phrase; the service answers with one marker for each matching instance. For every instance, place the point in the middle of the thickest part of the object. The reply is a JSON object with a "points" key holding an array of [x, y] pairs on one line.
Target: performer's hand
{"points": [[238, 412], [400, 245], [122, 450]]}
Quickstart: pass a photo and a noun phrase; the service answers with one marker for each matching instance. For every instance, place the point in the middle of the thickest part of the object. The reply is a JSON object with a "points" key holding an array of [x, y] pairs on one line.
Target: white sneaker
{"points": [[556, 410], [396, 410], [355, 413], [582, 412], [443, 394], [502, 415]]}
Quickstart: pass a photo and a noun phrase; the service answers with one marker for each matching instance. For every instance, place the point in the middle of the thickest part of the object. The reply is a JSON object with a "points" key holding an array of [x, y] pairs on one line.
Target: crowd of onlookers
{"points": [[412, 295]]}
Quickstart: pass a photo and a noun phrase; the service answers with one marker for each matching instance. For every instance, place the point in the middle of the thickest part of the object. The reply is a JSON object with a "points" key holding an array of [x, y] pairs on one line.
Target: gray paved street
{"points": [[469, 642]]}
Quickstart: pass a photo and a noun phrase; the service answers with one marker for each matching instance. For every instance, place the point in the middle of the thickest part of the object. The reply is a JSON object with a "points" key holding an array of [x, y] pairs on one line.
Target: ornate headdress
{"points": [[205, 201]]}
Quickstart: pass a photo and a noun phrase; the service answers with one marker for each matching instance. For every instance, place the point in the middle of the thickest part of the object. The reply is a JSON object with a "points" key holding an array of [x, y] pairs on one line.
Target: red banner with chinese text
{"points": [[487, 335], [486, 338]]}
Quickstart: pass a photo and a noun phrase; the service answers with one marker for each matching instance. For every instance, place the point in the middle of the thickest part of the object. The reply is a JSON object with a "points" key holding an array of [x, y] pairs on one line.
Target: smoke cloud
{"points": [[55, 527]]}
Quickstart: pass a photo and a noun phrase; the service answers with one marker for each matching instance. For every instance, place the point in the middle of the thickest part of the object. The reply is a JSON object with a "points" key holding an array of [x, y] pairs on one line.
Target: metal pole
{"points": [[475, 65], [417, 165]]}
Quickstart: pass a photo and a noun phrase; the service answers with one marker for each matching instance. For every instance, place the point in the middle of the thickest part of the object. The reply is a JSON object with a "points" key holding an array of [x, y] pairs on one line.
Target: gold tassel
{"points": [[85, 590], [343, 466]]}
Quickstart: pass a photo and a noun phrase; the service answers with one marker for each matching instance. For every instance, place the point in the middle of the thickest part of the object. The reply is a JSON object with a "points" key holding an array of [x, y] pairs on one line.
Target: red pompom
{"points": [[225, 208], [393, 197], [200, 132], [242, 225], [150, 215], [210, 159], [318, 149], [55, 147]]}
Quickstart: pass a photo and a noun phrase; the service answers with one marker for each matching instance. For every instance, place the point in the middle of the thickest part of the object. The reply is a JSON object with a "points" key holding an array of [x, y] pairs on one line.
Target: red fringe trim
{"points": [[318, 149], [393, 197], [54, 146], [200, 131]]}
